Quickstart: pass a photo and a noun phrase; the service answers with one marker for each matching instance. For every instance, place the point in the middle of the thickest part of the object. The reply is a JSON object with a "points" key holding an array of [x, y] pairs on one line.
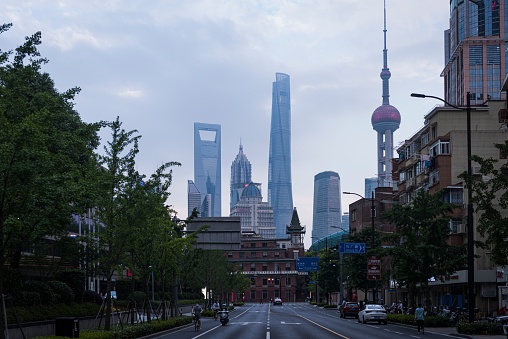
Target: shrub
{"points": [[30, 298], [480, 328], [63, 292], [208, 313], [47, 295], [75, 279], [330, 306], [123, 289], [409, 319], [238, 303], [92, 297], [13, 280], [138, 297]]}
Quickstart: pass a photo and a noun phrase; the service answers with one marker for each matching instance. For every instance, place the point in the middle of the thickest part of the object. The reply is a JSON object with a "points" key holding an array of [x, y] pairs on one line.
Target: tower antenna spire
{"points": [[385, 72]]}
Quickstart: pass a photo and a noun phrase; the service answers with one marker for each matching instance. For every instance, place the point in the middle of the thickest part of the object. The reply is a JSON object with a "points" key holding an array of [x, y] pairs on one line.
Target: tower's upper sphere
{"points": [[385, 117]]}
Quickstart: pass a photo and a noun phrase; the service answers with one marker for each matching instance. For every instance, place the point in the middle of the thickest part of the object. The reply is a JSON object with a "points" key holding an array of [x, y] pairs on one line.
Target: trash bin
{"points": [[67, 327]]}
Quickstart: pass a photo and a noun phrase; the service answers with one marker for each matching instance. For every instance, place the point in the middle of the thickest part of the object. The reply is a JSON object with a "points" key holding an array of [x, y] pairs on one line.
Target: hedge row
{"points": [[131, 332], [480, 328], [45, 312], [409, 319]]}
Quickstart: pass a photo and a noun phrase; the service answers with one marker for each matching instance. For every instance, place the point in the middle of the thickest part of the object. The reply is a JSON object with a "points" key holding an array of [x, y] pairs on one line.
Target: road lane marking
{"points": [[323, 327], [285, 323]]}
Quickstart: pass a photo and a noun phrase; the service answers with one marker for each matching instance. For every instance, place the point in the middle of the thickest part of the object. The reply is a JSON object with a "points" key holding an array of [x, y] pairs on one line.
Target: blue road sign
{"points": [[307, 264], [352, 247]]}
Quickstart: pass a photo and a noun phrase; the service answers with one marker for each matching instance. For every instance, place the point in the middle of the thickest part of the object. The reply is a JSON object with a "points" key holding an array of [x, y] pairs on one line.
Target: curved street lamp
{"points": [[470, 229]]}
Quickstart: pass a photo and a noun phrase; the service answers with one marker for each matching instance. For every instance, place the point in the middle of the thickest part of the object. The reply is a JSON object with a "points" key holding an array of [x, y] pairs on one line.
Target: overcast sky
{"points": [[163, 65]]}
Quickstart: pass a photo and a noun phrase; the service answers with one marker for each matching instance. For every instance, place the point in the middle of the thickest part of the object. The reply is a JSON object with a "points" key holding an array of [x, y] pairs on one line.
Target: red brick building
{"points": [[271, 265]]}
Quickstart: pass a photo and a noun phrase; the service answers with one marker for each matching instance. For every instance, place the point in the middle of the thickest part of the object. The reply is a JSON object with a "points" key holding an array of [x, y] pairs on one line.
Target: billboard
{"points": [[307, 264]]}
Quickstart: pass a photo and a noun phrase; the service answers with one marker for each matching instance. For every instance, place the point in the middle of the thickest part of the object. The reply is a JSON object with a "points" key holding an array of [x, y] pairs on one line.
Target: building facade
{"points": [[207, 166], [241, 177], [256, 216], [280, 194], [475, 51], [385, 120], [327, 210], [432, 160], [270, 265]]}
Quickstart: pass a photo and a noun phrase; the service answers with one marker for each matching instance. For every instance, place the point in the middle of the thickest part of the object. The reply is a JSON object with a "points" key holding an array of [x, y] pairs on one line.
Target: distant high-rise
{"points": [[255, 215], [370, 186], [385, 120], [475, 51], [327, 212], [241, 176], [280, 195], [207, 165]]}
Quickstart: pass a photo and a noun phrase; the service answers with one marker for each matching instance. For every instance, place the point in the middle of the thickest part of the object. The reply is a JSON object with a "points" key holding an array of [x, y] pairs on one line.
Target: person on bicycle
{"points": [[216, 308], [196, 312]]}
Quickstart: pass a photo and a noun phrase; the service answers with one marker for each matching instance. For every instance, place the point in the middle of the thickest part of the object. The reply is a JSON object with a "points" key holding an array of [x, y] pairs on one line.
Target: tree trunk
{"points": [[107, 322]]}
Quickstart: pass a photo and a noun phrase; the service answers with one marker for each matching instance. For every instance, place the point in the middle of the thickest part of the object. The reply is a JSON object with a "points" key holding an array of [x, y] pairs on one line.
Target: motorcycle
{"points": [[224, 317]]}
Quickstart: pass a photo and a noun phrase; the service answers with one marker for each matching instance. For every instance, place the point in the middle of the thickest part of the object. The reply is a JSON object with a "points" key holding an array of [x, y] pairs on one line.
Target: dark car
{"points": [[349, 309]]}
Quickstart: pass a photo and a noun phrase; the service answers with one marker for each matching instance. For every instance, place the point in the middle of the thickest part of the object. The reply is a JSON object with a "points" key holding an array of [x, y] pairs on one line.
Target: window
{"points": [[353, 215], [439, 148], [265, 254], [241, 254], [288, 281], [288, 266], [276, 254], [425, 139], [265, 281], [454, 226], [288, 295], [277, 282], [230, 255], [252, 254], [253, 281], [265, 267], [252, 267], [265, 244], [434, 177], [265, 294], [253, 294], [454, 196]]}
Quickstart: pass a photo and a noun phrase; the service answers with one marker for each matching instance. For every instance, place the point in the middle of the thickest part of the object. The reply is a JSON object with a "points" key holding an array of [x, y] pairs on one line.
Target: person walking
{"points": [[420, 318]]}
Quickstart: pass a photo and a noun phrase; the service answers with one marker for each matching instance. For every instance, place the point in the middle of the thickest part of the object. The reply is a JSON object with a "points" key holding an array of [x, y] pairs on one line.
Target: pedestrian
{"points": [[420, 317]]}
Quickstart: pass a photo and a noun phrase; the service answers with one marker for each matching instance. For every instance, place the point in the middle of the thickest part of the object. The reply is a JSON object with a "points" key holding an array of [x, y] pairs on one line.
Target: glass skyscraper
{"points": [[327, 211], [207, 166], [280, 195], [475, 51]]}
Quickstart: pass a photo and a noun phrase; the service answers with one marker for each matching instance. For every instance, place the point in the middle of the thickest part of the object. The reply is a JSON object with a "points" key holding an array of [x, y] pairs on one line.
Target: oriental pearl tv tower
{"points": [[385, 120]]}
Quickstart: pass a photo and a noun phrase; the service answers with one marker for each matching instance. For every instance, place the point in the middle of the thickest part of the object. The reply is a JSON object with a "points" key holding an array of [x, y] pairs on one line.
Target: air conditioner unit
{"points": [[476, 170]]}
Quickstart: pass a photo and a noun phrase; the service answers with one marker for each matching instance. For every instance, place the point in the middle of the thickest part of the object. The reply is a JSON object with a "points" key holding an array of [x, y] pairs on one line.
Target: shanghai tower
{"points": [[280, 195]]}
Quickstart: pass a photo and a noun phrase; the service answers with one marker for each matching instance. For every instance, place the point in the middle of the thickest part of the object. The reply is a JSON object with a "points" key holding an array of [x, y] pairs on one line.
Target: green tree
{"points": [[329, 271], [46, 151], [491, 199], [116, 178], [422, 251]]}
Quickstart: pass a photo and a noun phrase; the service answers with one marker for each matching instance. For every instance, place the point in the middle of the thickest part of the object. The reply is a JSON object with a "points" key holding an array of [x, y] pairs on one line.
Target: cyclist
{"points": [[196, 312], [216, 308]]}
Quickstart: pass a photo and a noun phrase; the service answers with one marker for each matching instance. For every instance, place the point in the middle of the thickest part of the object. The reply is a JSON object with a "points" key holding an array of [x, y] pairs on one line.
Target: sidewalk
{"points": [[453, 332]]}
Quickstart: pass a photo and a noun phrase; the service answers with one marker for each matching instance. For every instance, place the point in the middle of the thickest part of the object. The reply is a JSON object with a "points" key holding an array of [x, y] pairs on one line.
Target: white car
{"points": [[277, 301], [371, 312]]}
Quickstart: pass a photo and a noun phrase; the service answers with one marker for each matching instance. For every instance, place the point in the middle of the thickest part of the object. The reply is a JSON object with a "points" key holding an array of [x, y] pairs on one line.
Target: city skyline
{"points": [[161, 67]]}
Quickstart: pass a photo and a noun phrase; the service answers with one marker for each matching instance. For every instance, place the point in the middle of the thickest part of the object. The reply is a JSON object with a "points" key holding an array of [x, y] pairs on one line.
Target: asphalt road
{"points": [[294, 320]]}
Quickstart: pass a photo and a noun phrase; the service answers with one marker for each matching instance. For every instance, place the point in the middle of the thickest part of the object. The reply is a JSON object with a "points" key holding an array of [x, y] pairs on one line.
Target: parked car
{"points": [[349, 309], [277, 301], [372, 312]]}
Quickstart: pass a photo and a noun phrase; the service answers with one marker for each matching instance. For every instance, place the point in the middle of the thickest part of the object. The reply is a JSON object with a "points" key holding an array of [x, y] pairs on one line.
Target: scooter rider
{"points": [[224, 316]]}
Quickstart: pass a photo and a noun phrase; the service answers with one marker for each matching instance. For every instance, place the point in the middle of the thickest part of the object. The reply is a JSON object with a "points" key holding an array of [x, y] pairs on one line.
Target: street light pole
{"points": [[470, 228]]}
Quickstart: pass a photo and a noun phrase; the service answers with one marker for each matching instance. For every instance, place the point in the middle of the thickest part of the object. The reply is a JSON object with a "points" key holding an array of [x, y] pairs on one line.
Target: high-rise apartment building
{"points": [[207, 165], [475, 51], [385, 120], [241, 176], [327, 211], [280, 195]]}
